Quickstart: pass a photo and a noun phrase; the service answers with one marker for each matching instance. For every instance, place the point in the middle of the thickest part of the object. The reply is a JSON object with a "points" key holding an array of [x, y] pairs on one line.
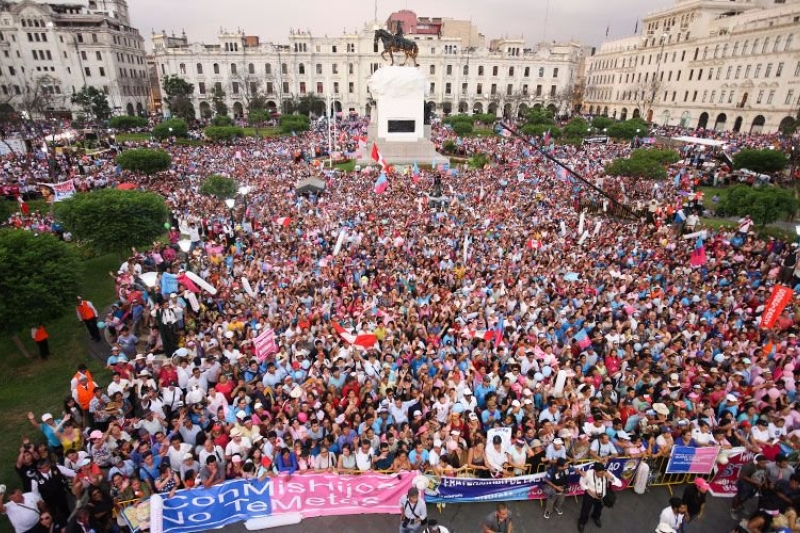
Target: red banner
{"points": [[723, 484], [780, 298]]}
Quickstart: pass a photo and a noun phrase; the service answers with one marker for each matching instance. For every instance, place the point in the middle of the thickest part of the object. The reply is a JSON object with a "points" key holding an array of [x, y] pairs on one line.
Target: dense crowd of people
{"points": [[471, 310]]}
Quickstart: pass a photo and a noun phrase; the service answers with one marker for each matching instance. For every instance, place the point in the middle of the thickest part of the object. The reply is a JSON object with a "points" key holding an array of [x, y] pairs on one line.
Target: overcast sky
{"points": [[583, 20]]}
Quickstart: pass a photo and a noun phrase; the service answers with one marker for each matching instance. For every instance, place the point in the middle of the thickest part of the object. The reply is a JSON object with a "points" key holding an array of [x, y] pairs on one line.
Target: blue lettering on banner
{"points": [[464, 490], [198, 510]]}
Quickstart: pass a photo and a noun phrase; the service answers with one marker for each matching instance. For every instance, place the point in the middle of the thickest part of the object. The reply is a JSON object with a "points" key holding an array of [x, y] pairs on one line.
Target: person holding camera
{"points": [[413, 512], [596, 494]]}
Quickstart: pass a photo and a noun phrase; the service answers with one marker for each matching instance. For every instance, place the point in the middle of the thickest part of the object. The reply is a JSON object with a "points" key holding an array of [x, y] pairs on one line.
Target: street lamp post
{"points": [[230, 202], [185, 245], [244, 190]]}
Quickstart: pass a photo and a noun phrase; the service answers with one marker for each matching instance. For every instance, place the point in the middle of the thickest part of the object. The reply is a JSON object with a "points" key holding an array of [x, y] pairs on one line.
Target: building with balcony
{"points": [[49, 50], [716, 64], [505, 78]]}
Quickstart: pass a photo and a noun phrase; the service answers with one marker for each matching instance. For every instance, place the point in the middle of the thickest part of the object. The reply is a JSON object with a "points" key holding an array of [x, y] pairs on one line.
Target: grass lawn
{"points": [[41, 386], [262, 132], [133, 137], [483, 132], [348, 166]]}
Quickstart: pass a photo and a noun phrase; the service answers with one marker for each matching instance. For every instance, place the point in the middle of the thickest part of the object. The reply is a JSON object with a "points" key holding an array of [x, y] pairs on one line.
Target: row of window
{"points": [[719, 51], [129, 58], [42, 55], [37, 37], [301, 69], [712, 73], [763, 97], [303, 47]]}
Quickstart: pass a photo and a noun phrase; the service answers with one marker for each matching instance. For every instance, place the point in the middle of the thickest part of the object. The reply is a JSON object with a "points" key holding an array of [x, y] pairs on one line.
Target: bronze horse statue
{"points": [[393, 43]]}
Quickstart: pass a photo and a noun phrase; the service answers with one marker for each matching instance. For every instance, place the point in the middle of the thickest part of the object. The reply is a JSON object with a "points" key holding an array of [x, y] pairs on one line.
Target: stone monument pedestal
{"points": [[398, 118]]}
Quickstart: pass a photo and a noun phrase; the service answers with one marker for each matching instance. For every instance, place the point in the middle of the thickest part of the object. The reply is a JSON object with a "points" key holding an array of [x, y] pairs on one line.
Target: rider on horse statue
{"points": [[398, 35]]}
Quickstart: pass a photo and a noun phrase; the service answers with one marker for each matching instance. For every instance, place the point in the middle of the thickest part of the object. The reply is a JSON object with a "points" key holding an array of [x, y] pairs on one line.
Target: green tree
{"points": [[178, 97], [540, 130], [600, 123], [126, 122], [257, 118], [478, 160], [462, 128], [223, 133], [39, 279], [218, 101], [294, 123], [111, 220], [144, 160], [93, 103], [663, 156], [218, 186], [449, 147], [764, 204], [174, 127], [540, 116], [222, 120], [257, 102], [485, 118], [628, 129], [307, 104], [761, 161], [577, 127], [637, 168]]}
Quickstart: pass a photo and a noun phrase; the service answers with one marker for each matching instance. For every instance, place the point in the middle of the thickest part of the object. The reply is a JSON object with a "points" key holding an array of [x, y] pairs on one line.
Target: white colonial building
{"points": [[721, 64], [58, 46], [463, 74]]}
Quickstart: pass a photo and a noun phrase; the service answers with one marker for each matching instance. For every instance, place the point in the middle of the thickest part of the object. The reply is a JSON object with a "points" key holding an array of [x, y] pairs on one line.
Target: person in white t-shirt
{"points": [[496, 457], [22, 510], [364, 456], [176, 452]]}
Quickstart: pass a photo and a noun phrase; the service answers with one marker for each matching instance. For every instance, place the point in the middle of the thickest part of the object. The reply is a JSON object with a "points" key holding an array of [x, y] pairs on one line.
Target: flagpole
{"points": [[330, 118]]}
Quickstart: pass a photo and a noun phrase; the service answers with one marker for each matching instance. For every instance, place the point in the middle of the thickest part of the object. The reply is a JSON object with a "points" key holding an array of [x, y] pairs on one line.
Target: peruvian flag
{"points": [[376, 155], [282, 221], [547, 138], [362, 340], [483, 334], [23, 206]]}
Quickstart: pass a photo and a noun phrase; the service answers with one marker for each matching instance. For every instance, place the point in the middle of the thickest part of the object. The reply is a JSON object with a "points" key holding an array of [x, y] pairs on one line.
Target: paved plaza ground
{"points": [[632, 514]]}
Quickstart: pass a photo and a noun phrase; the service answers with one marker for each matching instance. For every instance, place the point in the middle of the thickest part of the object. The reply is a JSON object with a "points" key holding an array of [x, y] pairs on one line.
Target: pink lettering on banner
{"points": [[265, 344], [335, 495]]}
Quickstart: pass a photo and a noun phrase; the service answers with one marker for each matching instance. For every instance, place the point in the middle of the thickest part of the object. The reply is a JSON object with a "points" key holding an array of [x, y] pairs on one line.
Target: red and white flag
{"points": [[362, 340], [282, 221], [23, 206], [376, 155]]}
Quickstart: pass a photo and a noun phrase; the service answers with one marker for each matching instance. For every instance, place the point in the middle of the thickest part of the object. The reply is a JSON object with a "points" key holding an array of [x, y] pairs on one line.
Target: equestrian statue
{"points": [[397, 43]]}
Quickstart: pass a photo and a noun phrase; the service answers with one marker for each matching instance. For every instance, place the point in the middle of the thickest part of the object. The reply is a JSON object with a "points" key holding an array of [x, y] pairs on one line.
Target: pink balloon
{"points": [[774, 393], [302, 417]]}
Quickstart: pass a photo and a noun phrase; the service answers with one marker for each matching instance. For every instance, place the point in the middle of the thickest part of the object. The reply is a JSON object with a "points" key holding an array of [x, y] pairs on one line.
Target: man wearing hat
{"points": [[413, 513], [595, 485], [694, 498]]}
